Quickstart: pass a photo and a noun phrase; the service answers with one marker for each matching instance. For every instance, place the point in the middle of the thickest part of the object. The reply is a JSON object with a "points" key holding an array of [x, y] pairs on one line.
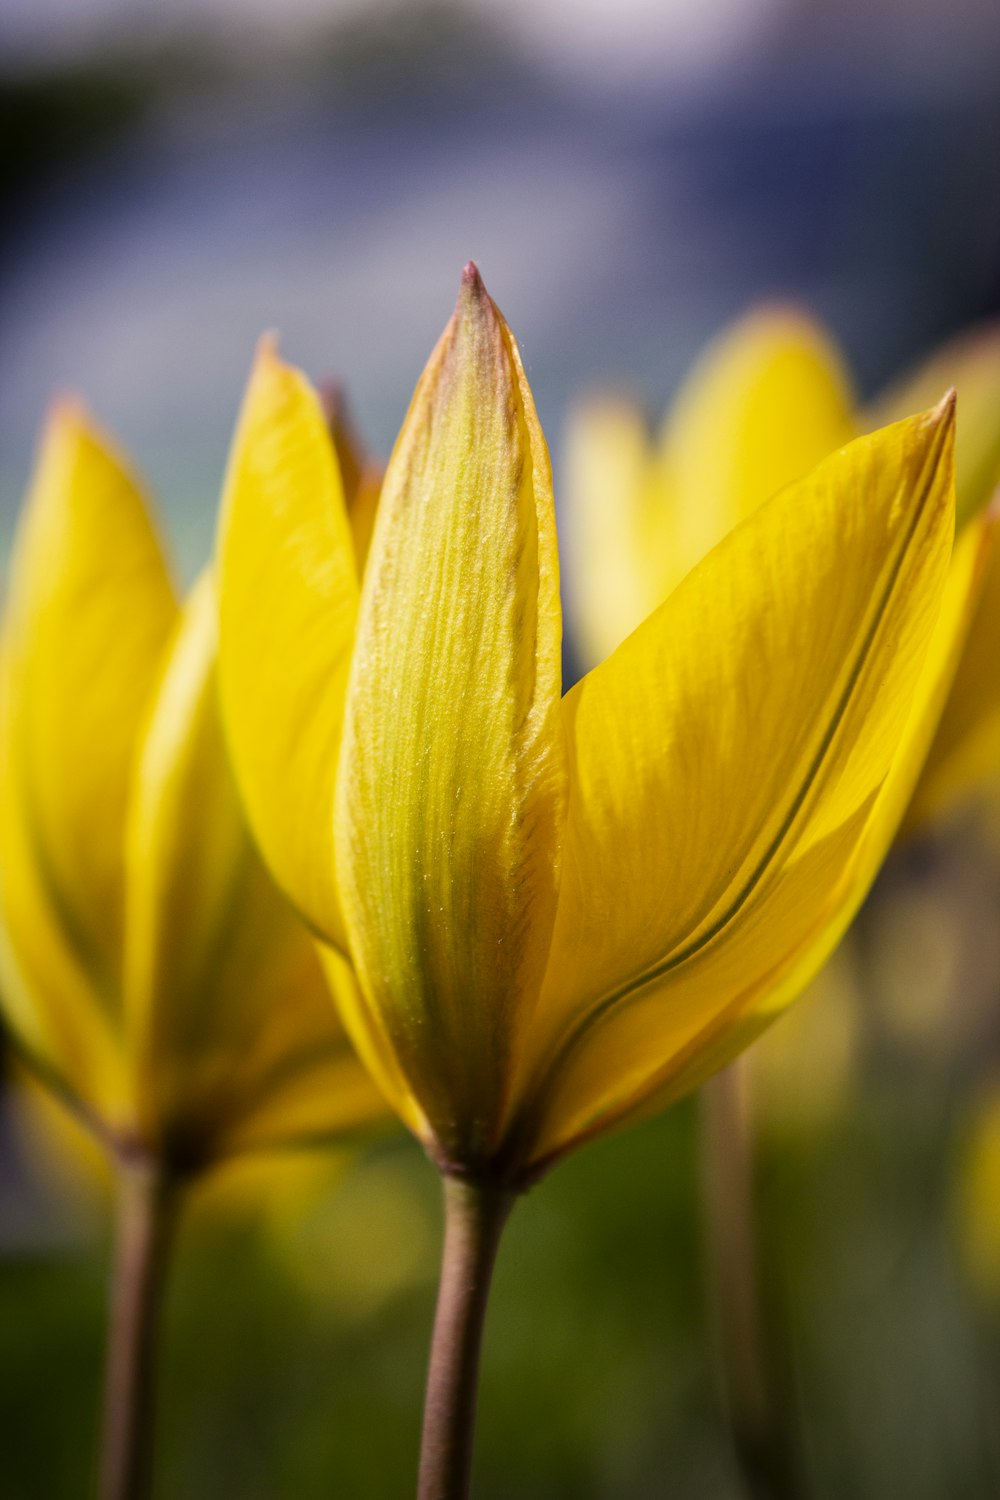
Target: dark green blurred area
{"points": [[45, 121]]}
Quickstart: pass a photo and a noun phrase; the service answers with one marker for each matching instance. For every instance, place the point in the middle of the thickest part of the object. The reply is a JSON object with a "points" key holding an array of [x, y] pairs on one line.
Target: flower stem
{"points": [[757, 1417], [475, 1214], [146, 1214]]}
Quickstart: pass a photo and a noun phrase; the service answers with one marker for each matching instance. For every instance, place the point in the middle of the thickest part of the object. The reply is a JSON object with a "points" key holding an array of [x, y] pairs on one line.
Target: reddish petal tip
{"points": [[471, 279]]}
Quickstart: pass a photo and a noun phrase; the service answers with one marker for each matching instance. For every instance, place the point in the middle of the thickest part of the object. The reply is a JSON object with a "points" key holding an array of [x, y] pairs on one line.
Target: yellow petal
{"points": [[726, 763], [58, 1016], [186, 847], [730, 1032], [288, 590], [619, 543], [233, 1034], [371, 1042], [91, 607], [764, 403], [450, 789]]}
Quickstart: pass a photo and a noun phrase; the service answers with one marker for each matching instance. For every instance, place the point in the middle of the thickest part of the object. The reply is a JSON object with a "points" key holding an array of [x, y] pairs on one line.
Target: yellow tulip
{"points": [[150, 971], [149, 967], [766, 401], [564, 912], [763, 406]]}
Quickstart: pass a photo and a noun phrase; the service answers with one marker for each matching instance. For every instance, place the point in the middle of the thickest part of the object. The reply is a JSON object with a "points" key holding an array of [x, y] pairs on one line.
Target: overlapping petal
{"points": [[186, 842], [233, 1034], [559, 915], [726, 762], [90, 609], [733, 1030], [288, 583], [151, 970], [451, 781], [373, 1043], [61, 1018], [764, 403]]}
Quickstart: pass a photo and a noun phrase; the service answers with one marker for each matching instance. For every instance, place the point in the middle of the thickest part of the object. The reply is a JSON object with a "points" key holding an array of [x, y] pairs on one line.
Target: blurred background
{"points": [[178, 176]]}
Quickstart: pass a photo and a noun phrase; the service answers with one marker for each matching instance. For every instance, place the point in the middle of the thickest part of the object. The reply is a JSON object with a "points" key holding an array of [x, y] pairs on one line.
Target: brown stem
{"points": [[146, 1213], [757, 1417], [475, 1214]]}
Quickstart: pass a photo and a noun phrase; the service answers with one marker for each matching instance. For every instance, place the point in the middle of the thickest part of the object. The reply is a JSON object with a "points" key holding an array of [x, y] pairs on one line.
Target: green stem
{"points": [[758, 1424], [145, 1219], [475, 1215]]}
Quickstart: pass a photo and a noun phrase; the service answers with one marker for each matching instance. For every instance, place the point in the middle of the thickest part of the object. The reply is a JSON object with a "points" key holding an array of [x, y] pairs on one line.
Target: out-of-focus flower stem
{"points": [[758, 1419], [475, 1214], [147, 1209]]}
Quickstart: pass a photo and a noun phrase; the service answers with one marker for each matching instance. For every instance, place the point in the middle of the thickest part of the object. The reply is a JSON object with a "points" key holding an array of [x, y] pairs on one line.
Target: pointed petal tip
{"points": [[471, 279], [270, 372], [938, 424], [614, 401], [945, 409], [67, 406], [474, 307], [933, 426], [71, 430], [472, 293], [67, 417], [266, 354], [782, 315]]}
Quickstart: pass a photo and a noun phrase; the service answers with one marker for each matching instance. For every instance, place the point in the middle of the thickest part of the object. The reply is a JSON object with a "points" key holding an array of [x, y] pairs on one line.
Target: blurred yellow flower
{"points": [[564, 912], [766, 401], [150, 970]]}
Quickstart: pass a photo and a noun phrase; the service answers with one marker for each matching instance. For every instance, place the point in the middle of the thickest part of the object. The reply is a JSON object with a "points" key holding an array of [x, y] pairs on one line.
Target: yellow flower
{"points": [[766, 401], [564, 912], [150, 969]]}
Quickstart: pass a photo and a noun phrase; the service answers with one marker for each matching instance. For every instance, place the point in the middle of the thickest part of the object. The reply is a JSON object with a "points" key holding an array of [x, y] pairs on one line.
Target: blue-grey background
{"points": [[181, 177]]}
